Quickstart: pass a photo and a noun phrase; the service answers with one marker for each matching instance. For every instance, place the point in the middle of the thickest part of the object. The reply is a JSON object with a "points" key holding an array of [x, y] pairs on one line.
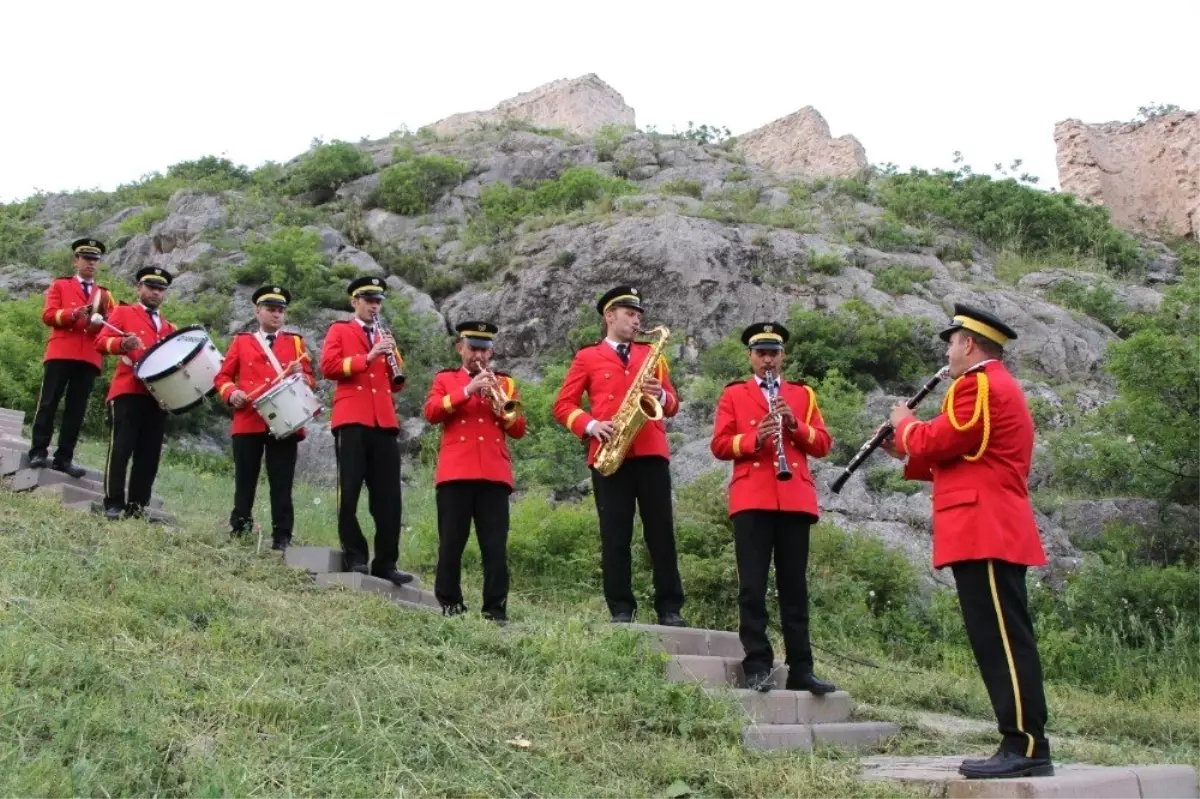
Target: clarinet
{"points": [[782, 472], [394, 363], [885, 430]]}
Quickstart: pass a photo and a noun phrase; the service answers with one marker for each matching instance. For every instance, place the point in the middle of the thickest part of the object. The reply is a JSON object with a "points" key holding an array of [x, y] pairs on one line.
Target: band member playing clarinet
{"points": [[474, 472], [606, 372], [978, 452], [769, 429], [255, 361], [71, 363], [138, 422], [365, 430]]}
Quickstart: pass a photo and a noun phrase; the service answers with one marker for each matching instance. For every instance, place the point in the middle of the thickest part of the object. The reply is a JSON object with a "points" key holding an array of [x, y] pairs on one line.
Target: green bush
{"points": [[549, 455], [826, 263], [607, 140], [142, 222], [412, 186], [211, 171], [292, 257], [902, 278], [1098, 302], [20, 243], [328, 166], [890, 480], [503, 206], [681, 186]]}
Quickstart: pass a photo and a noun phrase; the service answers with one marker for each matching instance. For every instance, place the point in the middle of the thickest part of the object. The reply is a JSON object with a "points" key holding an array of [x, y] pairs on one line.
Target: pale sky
{"points": [[98, 94]]}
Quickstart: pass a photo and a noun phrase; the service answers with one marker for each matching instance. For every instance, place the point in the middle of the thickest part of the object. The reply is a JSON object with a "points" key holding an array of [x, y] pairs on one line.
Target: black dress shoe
{"points": [[455, 609], [357, 568], [499, 619], [38, 461], [113, 514], [394, 576], [1004, 765], [69, 469], [808, 682], [759, 681], [671, 619], [281, 544], [623, 617]]}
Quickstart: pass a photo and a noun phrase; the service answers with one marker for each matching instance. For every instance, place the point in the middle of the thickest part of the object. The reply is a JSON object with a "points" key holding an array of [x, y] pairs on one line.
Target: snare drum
{"points": [[179, 370], [288, 406]]}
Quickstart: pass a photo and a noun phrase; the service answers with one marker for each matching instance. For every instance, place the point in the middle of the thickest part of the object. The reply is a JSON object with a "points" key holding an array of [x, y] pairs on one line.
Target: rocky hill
{"points": [[495, 217]]}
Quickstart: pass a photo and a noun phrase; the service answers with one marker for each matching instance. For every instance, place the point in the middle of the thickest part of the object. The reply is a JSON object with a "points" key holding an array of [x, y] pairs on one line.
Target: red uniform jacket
{"points": [[247, 368], [597, 371], [473, 443], [72, 341], [740, 411], [977, 452], [133, 319], [364, 390]]}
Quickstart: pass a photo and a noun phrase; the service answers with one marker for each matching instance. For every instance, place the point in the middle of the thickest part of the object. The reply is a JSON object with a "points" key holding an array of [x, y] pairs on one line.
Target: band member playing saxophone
{"points": [[478, 410], [357, 356], [628, 452], [253, 362], [71, 363], [769, 428]]}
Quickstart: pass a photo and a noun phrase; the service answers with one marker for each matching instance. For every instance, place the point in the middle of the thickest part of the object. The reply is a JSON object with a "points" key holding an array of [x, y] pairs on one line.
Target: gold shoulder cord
{"points": [[981, 409]]}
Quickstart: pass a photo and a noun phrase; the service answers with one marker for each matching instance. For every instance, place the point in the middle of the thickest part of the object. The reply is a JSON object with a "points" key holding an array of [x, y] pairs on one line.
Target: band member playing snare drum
{"points": [[137, 421], [254, 362]]}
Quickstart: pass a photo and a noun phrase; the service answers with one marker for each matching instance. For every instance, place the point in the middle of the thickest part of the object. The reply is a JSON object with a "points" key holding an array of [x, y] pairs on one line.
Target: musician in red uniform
{"points": [[474, 472], [978, 452], [256, 361], [605, 371], [138, 422], [365, 429], [771, 512], [71, 363]]}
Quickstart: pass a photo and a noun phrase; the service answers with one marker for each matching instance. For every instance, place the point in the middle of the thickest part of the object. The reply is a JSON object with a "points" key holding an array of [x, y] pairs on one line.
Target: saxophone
{"points": [[636, 409]]}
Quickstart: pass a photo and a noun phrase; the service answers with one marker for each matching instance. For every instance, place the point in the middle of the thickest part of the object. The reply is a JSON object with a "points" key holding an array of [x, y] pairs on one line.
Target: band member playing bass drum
{"points": [[138, 423], [356, 356], [978, 452], [769, 428], [478, 409], [71, 363], [254, 361], [606, 372]]}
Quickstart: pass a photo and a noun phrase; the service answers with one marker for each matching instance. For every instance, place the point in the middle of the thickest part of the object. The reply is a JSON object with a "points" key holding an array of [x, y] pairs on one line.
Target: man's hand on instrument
{"points": [[293, 369], [381, 347], [238, 399], [79, 313], [602, 431], [481, 380], [899, 414], [652, 387], [131, 343], [766, 432], [785, 412]]}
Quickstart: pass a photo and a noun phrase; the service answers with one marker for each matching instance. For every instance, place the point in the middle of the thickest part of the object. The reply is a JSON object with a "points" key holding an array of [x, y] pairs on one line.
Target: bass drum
{"points": [[179, 370]]}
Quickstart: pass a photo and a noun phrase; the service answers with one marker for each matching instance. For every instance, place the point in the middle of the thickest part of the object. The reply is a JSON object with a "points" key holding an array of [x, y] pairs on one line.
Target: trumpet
{"points": [[782, 472], [503, 405], [394, 361]]}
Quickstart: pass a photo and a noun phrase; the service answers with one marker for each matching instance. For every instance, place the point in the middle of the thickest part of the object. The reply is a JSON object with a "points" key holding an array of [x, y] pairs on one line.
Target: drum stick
{"points": [[261, 389], [97, 319]]}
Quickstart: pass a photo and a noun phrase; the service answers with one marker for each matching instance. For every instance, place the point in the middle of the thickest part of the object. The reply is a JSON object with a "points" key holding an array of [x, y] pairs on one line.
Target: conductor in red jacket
{"points": [[605, 371], [71, 363], [772, 503], [138, 422], [977, 452], [254, 362], [474, 471], [365, 430]]}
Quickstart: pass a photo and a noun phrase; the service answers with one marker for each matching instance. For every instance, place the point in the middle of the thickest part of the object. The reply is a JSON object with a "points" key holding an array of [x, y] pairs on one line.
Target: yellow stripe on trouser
{"points": [[112, 435], [41, 387], [1012, 666], [337, 459]]}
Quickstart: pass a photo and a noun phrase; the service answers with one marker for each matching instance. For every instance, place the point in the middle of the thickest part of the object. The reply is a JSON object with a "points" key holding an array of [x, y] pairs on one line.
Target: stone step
{"points": [[852, 735], [717, 671], [939, 777], [26, 479], [794, 707], [693, 640], [314, 560], [7, 414], [376, 585]]}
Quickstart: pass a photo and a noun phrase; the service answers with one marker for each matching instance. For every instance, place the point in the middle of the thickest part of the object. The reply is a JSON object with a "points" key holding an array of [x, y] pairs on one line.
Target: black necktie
{"points": [[87, 290], [270, 339], [369, 332], [154, 319], [623, 351]]}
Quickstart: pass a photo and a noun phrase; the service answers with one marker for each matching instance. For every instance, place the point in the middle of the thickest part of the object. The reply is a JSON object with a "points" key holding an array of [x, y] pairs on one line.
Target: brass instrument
{"points": [[503, 405], [394, 361], [782, 472], [636, 409]]}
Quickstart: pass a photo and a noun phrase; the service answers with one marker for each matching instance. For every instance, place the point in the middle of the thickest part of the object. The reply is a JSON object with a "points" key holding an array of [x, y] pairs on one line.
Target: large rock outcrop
{"points": [[1147, 174], [580, 105], [800, 144]]}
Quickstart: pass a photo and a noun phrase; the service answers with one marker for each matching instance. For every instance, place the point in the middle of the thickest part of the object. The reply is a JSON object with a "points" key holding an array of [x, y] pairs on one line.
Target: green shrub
{"points": [[142, 222], [20, 243], [549, 454], [503, 206], [328, 166], [681, 186], [842, 403], [412, 186], [888, 233], [1097, 301], [826, 263], [292, 257], [902, 278], [211, 171], [607, 140], [954, 249], [890, 480]]}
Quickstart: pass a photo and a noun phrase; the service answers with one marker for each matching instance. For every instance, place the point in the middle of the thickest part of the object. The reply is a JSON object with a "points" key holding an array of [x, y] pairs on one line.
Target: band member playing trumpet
{"points": [[478, 410], [138, 422], [252, 364], [606, 372], [356, 356], [978, 452], [71, 363], [770, 430]]}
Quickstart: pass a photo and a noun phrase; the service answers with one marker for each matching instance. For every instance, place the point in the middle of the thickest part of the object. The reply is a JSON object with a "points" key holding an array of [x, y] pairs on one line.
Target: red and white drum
{"points": [[287, 406], [179, 370]]}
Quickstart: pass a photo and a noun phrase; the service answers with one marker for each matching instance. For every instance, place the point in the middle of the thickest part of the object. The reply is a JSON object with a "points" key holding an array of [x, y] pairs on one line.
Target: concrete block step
{"points": [[938, 777], [854, 735], [717, 671], [693, 640], [376, 585], [70, 494], [153, 514], [8, 415], [20, 450], [28, 479], [314, 560], [794, 707]]}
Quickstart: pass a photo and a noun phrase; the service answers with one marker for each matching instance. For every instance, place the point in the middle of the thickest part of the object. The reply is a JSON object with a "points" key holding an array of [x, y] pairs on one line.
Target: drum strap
{"points": [[261, 338]]}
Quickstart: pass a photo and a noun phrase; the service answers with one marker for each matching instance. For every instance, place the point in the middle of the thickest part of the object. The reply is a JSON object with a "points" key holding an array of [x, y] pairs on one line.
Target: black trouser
{"points": [[995, 609], [645, 481], [248, 451], [757, 535], [138, 424], [75, 379], [458, 502], [369, 455]]}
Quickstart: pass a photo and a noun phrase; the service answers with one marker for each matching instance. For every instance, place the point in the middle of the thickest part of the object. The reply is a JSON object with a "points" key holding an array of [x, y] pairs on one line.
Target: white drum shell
{"points": [[288, 406], [186, 387]]}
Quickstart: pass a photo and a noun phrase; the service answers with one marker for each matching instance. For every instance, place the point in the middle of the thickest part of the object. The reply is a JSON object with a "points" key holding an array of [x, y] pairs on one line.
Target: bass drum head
{"points": [[172, 353]]}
